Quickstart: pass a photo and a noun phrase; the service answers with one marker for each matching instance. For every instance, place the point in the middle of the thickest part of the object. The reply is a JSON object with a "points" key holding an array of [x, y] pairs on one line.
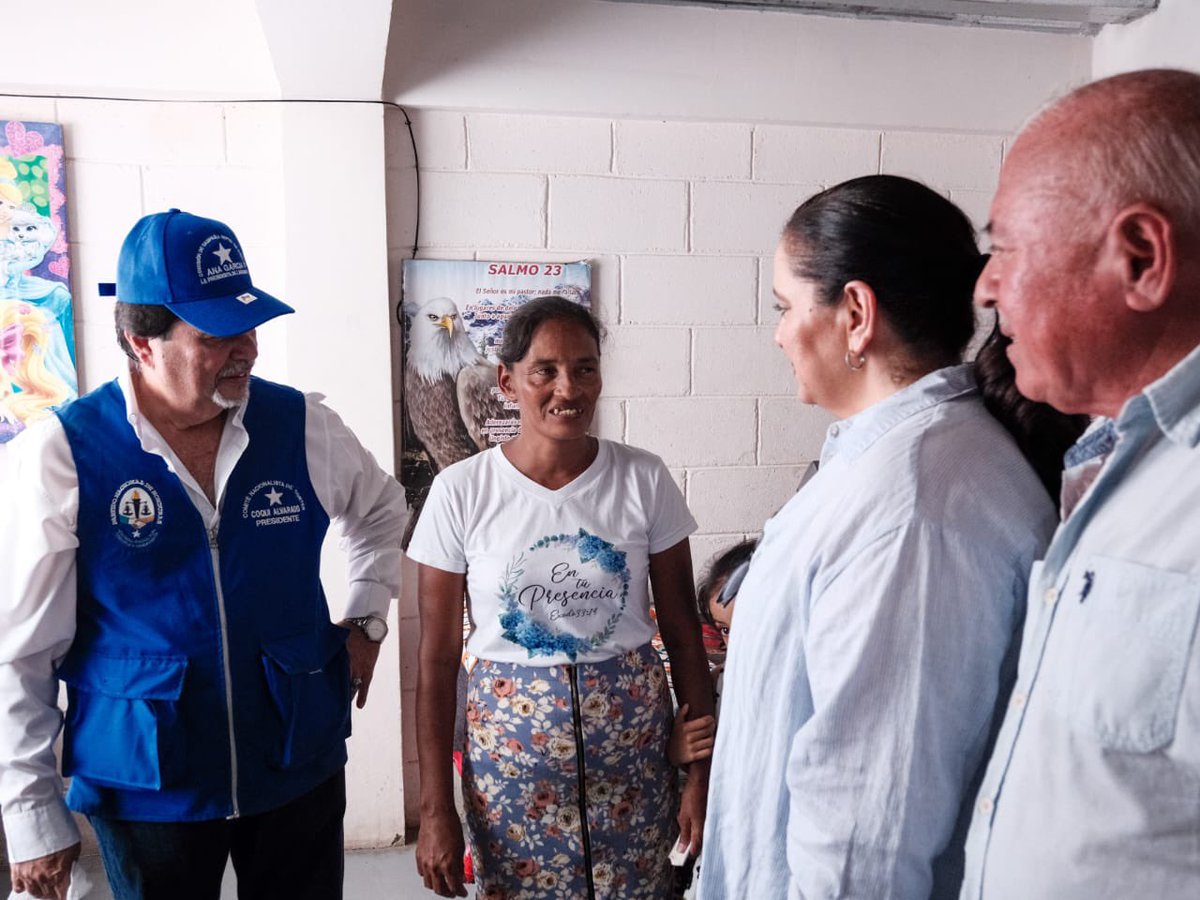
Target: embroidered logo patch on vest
{"points": [[273, 503], [136, 513]]}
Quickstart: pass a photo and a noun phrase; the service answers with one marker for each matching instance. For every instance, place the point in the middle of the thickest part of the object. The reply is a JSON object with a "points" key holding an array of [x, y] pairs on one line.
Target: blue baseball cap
{"points": [[195, 267]]}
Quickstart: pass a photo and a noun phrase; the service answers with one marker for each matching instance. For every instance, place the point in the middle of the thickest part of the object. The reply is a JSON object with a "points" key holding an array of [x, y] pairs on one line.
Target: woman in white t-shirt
{"points": [[554, 539]]}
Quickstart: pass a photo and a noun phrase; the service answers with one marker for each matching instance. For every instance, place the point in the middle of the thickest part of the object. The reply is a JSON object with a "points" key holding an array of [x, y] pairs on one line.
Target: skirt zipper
{"points": [[584, 831]]}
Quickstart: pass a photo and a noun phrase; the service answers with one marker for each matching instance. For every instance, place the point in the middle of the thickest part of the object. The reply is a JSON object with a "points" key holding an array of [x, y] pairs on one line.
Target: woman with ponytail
{"points": [[886, 597]]}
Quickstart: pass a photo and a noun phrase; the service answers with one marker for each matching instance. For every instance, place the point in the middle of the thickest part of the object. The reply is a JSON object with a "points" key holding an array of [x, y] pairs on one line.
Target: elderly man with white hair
{"points": [[1093, 789]]}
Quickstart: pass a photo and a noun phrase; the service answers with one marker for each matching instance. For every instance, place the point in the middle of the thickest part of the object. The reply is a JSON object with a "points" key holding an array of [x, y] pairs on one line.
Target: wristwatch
{"points": [[374, 628]]}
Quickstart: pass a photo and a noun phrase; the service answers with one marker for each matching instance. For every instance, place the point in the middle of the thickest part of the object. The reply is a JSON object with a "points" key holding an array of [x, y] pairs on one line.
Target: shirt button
{"points": [[1018, 700], [1050, 597], [833, 430], [986, 806]]}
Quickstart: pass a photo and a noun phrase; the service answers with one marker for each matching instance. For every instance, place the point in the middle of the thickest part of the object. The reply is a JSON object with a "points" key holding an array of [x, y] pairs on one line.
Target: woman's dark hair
{"points": [[529, 317], [142, 320], [718, 572], [914, 248], [1043, 433], [917, 251]]}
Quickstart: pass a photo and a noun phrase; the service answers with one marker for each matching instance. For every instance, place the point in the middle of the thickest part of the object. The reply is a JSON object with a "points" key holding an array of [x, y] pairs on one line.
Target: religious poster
{"points": [[454, 315], [37, 329]]}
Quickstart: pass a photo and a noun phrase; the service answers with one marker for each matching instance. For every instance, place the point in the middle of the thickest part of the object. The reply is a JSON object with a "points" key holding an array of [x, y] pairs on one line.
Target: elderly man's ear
{"points": [[1142, 249]]}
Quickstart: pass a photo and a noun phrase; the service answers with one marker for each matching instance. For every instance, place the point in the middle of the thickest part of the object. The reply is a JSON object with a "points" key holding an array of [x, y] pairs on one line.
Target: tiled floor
{"points": [[390, 874]]}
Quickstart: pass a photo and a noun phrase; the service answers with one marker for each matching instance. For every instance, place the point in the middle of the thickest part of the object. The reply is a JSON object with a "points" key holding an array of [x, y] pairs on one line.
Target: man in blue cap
{"points": [[163, 560]]}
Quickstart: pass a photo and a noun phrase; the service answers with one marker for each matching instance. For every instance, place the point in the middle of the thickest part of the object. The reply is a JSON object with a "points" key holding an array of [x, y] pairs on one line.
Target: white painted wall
{"points": [[679, 219], [1168, 38], [137, 48], [224, 49], [325, 50], [334, 231], [669, 145], [589, 57]]}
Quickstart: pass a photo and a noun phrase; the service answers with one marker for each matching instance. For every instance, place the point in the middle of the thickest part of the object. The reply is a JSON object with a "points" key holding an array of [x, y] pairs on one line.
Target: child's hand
{"points": [[692, 740]]}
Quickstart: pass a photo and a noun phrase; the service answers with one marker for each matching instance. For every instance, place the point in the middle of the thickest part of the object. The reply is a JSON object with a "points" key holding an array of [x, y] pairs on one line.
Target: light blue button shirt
{"points": [[867, 651], [1093, 790]]}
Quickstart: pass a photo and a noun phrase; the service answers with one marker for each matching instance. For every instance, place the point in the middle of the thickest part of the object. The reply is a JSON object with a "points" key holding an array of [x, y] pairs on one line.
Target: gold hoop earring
{"points": [[862, 361]]}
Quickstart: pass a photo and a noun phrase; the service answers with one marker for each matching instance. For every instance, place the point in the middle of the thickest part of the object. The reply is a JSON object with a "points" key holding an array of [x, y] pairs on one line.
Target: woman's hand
{"points": [[692, 740], [440, 854], [691, 814]]}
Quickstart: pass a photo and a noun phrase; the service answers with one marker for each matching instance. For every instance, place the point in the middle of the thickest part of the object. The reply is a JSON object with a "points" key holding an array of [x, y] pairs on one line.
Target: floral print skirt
{"points": [[532, 830]]}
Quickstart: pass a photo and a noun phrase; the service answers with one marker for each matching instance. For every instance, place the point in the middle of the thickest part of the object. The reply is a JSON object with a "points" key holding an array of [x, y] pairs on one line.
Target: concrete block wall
{"points": [[680, 219]]}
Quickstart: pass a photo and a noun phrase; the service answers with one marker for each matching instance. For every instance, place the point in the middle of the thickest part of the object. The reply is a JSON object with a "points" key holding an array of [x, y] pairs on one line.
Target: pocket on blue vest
{"points": [[309, 679], [121, 713]]}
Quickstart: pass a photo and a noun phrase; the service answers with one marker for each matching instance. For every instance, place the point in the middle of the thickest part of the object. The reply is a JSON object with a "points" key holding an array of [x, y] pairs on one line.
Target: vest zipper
{"points": [[584, 830], [233, 766]]}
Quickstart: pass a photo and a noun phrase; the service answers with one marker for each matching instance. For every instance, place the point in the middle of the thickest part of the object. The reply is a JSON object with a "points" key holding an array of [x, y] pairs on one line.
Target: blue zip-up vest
{"points": [[205, 679]]}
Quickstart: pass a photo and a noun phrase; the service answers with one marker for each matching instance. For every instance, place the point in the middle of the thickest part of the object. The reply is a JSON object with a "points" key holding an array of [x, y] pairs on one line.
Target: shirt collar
{"points": [[1174, 401], [851, 437], [234, 440], [1098, 439]]}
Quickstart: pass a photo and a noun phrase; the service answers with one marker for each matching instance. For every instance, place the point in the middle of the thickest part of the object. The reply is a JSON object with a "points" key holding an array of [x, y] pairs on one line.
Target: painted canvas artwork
{"points": [[454, 315], [37, 328]]}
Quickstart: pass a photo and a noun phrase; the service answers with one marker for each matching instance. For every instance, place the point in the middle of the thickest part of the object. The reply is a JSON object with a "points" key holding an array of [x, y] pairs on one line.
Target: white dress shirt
{"points": [[40, 491]]}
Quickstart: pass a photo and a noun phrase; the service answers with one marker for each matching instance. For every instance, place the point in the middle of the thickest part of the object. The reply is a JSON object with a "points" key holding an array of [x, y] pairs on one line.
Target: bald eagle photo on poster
{"points": [[454, 315]]}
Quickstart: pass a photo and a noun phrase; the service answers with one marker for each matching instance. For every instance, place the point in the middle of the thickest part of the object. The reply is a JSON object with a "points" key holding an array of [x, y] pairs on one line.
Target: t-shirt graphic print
{"points": [[565, 594]]}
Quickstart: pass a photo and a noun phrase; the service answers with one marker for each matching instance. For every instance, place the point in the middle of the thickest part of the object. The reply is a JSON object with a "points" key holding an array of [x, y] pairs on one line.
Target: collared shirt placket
{"points": [[1104, 458]]}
